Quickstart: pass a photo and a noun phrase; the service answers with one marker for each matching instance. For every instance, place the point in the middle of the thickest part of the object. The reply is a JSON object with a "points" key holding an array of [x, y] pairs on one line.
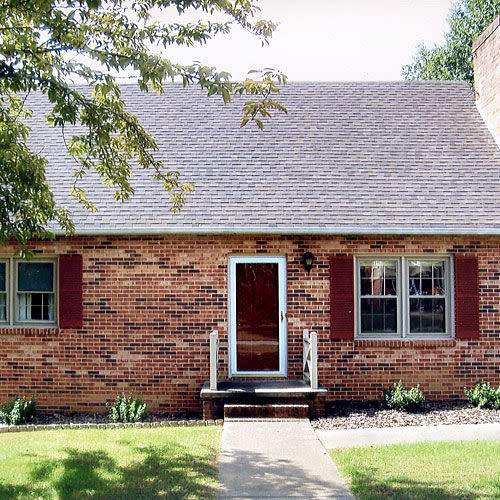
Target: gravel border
{"points": [[370, 414]]}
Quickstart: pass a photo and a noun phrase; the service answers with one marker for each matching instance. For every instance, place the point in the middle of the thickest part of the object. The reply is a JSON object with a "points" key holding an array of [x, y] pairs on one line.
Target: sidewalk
{"points": [[276, 460], [340, 438]]}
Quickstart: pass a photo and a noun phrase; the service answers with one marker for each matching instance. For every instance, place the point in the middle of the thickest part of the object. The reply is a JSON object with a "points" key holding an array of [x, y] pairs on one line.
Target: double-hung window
{"points": [[3, 291], [28, 291], [403, 297]]}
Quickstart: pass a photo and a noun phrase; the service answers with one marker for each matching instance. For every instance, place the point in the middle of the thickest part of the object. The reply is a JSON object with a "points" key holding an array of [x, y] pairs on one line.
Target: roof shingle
{"points": [[381, 157]]}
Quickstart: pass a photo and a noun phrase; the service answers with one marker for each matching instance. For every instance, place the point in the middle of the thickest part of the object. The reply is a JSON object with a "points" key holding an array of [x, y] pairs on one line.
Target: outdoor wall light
{"points": [[307, 261]]}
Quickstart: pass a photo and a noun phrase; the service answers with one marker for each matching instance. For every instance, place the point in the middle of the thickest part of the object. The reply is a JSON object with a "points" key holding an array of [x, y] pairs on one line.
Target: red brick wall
{"points": [[486, 52], [150, 304]]}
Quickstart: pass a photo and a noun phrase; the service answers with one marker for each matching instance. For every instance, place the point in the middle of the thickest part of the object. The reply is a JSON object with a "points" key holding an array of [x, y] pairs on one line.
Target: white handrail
{"points": [[310, 358], [214, 359]]}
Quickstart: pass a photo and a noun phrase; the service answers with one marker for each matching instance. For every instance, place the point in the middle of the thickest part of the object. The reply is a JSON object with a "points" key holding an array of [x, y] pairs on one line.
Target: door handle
{"points": [[282, 316]]}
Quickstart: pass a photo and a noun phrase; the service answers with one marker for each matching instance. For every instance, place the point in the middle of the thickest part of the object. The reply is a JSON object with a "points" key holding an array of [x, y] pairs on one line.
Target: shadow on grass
{"points": [[166, 472], [366, 486]]}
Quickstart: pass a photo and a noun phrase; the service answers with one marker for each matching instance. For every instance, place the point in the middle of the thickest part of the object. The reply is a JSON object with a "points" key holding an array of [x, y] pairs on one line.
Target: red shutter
{"points": [[70, 291], [466, 297], [342, 297]]}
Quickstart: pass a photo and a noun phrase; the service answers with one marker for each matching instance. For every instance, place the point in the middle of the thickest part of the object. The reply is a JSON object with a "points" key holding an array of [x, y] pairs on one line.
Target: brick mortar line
{"points": [[118, 425]]}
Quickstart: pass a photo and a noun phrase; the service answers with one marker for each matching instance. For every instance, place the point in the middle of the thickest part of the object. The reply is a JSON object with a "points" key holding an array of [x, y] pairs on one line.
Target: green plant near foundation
{"points": [[18, 411], [125, 409], [483, 396], [401, 398]]}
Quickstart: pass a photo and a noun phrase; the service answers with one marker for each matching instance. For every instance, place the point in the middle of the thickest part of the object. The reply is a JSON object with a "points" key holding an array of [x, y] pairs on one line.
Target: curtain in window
{"points": [[24, 306]]}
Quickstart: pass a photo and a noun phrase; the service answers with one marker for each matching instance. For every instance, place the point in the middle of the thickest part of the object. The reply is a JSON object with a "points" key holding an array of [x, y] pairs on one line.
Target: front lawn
{"points": [[129, 463], [444, 471]]}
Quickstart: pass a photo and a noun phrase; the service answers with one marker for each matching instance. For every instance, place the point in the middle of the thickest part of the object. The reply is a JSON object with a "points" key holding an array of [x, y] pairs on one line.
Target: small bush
{"points": [[400, 398], [483, 396], [18, 411], [127, 409]]}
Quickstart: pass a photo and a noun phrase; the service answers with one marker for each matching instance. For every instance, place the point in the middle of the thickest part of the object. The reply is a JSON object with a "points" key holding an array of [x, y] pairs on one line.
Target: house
{"points": [[369, 215]]}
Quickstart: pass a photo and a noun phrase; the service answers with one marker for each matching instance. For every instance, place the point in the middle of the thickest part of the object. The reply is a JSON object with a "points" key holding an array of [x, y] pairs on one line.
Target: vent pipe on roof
{"points": [[486, 51]]}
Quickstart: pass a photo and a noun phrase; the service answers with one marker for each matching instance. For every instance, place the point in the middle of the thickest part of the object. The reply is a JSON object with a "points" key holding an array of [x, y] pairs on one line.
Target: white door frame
{"points": [[281, 261]]}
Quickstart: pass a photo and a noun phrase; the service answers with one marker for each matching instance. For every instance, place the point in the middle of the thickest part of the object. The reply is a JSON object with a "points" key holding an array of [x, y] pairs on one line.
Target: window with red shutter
{"points": [[70, 291], [342, 297], [466, 297], [403, 297]]}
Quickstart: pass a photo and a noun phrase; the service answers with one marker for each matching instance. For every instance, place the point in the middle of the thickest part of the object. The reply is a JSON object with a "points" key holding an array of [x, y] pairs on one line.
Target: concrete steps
{"points": [[252, 411], [263, 393]]}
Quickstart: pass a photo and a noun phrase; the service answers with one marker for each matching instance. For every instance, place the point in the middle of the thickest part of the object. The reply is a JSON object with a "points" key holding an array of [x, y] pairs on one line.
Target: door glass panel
{"points": [[257, 317]]}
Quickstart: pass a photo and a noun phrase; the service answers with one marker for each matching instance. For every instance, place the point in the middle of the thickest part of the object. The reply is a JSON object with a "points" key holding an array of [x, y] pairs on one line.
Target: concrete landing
{"points": [[343, 438], [276, 460]]}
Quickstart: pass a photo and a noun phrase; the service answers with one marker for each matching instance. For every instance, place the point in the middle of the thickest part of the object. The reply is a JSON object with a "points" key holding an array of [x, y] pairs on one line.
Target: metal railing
{"points": [[214, 359], [310, 358]]}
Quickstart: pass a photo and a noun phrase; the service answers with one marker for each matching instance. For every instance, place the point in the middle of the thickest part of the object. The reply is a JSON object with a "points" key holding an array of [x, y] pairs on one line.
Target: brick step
{"points": [[266, 411]]}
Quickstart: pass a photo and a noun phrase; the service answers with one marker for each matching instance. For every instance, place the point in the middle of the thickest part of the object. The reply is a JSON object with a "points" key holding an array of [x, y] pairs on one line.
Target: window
{"points": [[379, 296], [27, 291], [403, 297], [3, 292]]}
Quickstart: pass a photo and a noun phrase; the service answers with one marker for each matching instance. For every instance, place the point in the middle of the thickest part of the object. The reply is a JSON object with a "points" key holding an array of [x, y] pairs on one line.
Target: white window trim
{"points": [[281, 261], [11, 287], [403, 315]]}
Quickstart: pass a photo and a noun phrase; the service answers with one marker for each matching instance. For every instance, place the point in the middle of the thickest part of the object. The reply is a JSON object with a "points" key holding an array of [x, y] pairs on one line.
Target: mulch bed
{"points": [[356, 414]]}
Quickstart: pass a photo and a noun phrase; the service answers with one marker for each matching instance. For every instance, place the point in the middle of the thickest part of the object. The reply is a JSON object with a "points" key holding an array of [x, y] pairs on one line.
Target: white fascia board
{"points": [[358, 231]]}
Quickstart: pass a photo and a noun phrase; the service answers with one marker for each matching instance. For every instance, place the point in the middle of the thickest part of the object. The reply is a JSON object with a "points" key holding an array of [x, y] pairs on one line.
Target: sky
{"points": [[324, 40]]}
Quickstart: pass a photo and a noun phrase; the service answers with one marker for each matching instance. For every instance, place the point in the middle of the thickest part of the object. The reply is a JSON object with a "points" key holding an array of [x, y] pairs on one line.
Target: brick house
{"points": [[391, 189]]}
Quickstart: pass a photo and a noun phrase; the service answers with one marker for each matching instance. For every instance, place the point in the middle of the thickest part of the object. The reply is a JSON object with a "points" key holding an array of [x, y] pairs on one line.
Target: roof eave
{"points": [[326, 231]]}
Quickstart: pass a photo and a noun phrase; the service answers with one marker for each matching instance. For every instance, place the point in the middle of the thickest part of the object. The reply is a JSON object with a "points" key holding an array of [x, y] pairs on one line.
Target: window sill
{"points": [[30, 331], [406, 342]]}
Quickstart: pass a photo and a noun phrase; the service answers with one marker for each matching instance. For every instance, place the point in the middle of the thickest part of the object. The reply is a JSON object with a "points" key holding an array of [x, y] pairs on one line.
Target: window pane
{"points": [[438, 278], [35, 307], [378, 316], [414, 277], [35, 277], [426, 278], [3, 307], [378, 278], [390, 280], [2, 276], [427, 315]]}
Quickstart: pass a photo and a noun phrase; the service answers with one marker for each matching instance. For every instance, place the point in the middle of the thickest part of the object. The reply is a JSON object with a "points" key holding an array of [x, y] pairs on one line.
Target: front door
{"points": [[257, 315]]}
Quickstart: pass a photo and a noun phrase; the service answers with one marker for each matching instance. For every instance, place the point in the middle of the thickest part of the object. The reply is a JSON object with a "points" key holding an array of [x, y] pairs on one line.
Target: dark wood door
{"points": [[257, 317]]}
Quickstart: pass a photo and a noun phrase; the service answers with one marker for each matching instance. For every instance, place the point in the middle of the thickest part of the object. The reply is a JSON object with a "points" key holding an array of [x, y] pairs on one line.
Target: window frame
{"points": [[7, 292], [403, 297], [12, 292]]}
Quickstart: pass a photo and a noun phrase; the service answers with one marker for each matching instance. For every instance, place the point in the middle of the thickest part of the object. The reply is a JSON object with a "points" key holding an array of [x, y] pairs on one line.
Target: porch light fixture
{"points": [[307, 261]]}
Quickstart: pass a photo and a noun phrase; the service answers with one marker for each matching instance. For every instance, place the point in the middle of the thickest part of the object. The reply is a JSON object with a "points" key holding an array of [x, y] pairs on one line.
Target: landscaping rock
{"points": [[356, 415]]}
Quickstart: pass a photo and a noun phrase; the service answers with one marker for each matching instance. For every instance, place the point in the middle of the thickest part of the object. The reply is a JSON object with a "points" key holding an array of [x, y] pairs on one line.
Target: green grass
{"points": [[130, 463], [444, 471]]}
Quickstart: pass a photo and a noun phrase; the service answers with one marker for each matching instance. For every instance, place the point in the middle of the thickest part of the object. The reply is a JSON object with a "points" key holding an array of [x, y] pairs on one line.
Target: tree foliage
{"points": [[453, 59], [48, 45]]}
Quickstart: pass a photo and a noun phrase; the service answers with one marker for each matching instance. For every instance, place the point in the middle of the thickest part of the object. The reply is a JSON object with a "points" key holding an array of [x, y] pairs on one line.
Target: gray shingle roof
{"points": [[385, 157]]}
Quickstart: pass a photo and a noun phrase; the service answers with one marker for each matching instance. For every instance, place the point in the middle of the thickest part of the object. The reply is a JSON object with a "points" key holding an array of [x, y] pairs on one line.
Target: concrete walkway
{"points": [[340, 438], [276, 460]]}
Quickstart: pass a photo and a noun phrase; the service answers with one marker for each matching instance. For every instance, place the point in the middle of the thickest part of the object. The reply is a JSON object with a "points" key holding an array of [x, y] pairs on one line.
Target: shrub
{"points": [[18, 411], [400, 398], [127, 409], [483, 396]]}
